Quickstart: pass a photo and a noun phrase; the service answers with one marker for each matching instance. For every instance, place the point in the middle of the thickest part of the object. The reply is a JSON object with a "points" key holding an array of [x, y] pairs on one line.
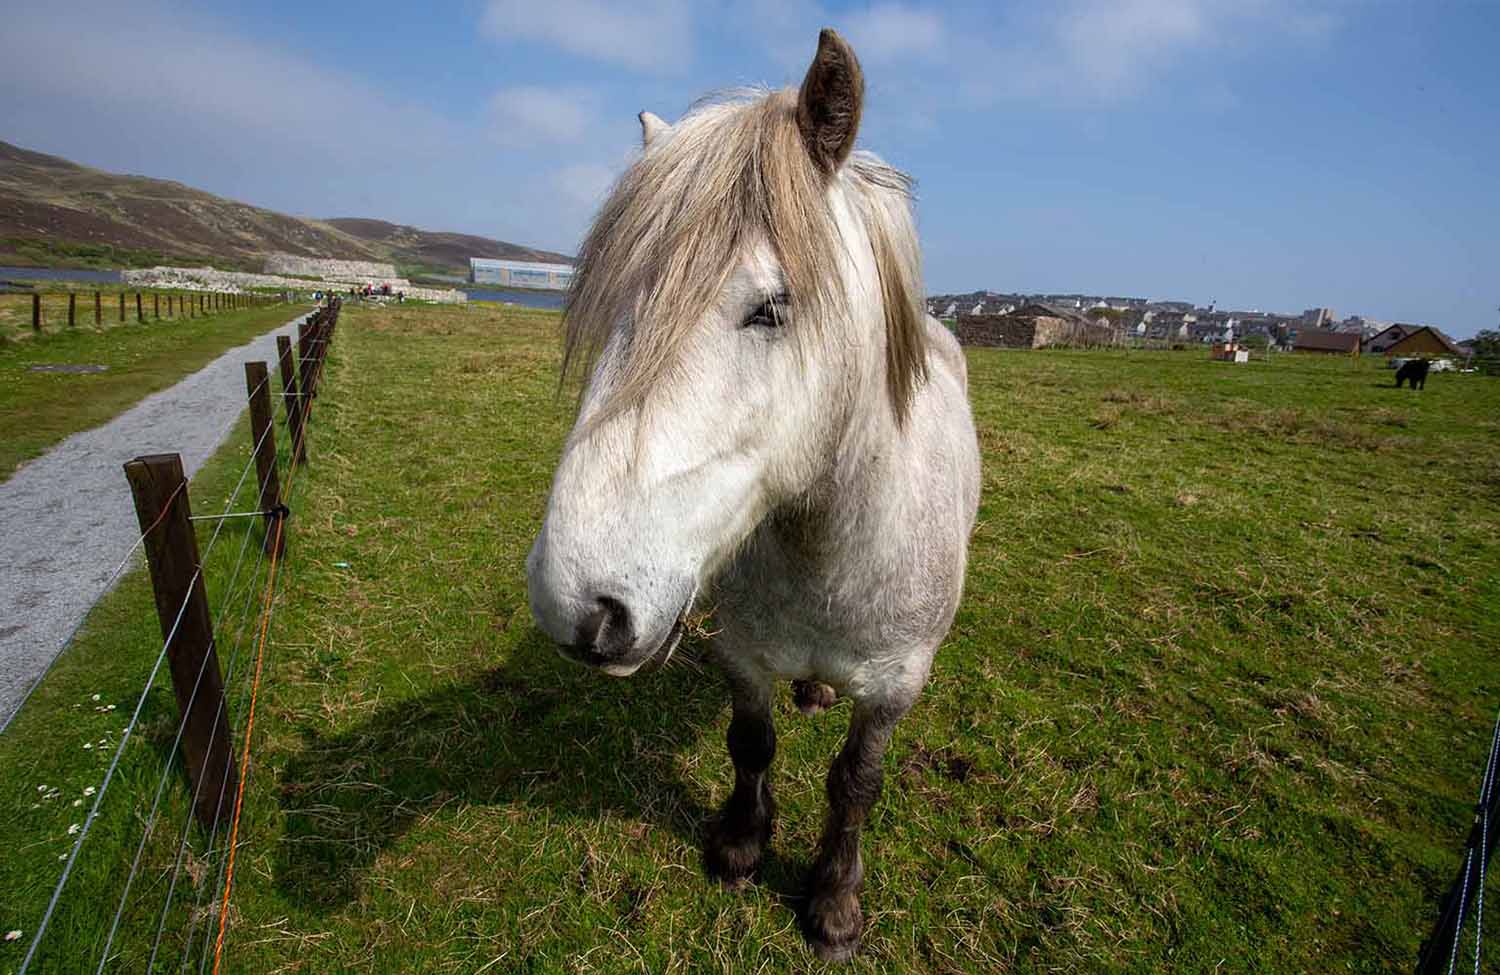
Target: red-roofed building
{"points": [[1322, 340], [1426, 342]]}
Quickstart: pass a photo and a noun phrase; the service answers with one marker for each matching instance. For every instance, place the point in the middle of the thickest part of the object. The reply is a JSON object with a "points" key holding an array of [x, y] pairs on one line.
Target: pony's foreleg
{"points": [[833, 921], [738, 836]]}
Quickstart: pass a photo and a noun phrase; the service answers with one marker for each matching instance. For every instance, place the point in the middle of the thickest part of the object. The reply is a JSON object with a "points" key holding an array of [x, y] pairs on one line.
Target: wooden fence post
{"points": [[122, 308], [36, 312], [98, 310], [263, 442], [72, 308], [138, 316], [161, 507], [156, 305], [305, 361], [289, 397]]}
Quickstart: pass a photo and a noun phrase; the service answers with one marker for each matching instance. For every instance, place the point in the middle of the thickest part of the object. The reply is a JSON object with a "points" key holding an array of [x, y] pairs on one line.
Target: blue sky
{"points": [[1278, 154]]}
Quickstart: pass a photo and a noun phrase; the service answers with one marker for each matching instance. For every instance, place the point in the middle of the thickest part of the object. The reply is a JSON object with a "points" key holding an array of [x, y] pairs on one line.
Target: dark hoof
{"points": [[736, 844], [833, 926], [812, 696]]}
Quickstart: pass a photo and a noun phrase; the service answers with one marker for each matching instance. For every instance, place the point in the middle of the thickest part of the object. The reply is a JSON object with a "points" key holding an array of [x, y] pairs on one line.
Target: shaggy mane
{"points": [[665, 242]]}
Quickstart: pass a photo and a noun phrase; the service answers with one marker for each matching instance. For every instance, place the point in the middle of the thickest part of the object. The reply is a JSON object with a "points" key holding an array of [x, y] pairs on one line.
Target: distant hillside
{"points": [[53, 211], [435, 249]]}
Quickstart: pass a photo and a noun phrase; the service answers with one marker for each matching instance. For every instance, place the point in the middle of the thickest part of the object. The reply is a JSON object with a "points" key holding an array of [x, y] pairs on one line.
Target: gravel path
{"points": [[69, 519]]}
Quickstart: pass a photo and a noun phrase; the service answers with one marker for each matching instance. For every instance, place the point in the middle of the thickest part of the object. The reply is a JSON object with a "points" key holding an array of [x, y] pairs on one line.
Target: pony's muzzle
{"points": [[607, 634], [615, 622]]}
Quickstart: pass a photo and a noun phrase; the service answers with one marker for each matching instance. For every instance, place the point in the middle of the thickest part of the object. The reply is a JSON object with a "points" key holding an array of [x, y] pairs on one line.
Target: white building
{"points": [[520, 274]]}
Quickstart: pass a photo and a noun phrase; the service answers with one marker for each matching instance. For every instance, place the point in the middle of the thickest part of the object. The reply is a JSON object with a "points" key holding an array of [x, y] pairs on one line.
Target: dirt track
{"points": [[70, 519]]}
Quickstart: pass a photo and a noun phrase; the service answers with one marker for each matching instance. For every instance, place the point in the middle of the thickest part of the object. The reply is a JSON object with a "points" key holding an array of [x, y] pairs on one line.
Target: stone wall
{"points": [[1031, 332], [996, 331], [355, 272], [212, 279], [1063, 333]]}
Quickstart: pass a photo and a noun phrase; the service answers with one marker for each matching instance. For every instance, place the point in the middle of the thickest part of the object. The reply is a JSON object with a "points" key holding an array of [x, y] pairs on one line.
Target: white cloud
{"points": [[1107, 50], [239, 84], [650, 35], [890, 31], [582, 186], [1109, 44], [236, 114], [530, 115]]}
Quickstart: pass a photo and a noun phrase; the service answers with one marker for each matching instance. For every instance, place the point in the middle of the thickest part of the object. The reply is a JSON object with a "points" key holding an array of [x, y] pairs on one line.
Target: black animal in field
{"points": [[1413, 371]]}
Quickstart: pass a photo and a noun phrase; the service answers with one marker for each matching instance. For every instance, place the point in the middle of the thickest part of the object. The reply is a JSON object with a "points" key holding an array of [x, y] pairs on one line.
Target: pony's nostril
{"points": [[608, 630]]}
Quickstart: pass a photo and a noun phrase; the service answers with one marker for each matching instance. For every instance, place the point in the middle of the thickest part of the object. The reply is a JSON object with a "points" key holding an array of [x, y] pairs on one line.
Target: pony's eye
{"points": [[770, 314]]}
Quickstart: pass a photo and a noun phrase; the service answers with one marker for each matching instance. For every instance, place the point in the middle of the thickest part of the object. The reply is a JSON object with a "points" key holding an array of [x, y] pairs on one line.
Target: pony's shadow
{"points": [[538, 730]]}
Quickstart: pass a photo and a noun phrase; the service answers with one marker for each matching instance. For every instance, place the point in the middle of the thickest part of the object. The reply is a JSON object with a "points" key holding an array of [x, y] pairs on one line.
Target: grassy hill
{"points": [[434, 250], [58, 213]]}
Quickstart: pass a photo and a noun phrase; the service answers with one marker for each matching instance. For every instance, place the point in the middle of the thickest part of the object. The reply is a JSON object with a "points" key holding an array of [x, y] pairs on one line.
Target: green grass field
{"points": [[1217, 699], [38, 409]]}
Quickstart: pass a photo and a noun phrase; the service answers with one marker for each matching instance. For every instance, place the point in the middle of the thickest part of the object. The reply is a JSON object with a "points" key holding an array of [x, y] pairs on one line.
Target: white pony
{"points": [[769, 415]]}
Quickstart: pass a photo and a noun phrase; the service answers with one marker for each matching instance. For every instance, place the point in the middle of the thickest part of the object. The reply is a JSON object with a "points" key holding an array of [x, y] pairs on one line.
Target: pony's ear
{"points": [[651, 127], [830, 102]]}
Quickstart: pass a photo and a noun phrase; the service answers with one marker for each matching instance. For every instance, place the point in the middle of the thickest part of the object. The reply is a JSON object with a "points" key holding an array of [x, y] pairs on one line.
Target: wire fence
{"points": [[1446, 950], [58, 311], [189, 834]]}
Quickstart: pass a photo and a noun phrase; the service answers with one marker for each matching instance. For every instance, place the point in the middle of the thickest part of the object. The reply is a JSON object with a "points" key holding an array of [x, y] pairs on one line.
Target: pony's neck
{"points": [[865, 476]]}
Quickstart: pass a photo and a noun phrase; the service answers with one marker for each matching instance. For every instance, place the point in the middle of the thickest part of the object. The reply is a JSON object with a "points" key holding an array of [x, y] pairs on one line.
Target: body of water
{"points": [[527, 299], [58, 274]]}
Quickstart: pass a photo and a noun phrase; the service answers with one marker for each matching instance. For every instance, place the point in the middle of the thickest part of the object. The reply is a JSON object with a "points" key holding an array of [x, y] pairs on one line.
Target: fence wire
{"points": [[1466, 897], [221, 624]]}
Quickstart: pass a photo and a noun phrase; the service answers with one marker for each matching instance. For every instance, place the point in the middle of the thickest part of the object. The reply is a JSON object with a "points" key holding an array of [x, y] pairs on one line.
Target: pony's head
{"points": [[747, 309]]}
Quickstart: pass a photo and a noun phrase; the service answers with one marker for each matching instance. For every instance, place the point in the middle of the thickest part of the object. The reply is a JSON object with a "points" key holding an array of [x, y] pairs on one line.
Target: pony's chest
{"points": [[787, 611]]}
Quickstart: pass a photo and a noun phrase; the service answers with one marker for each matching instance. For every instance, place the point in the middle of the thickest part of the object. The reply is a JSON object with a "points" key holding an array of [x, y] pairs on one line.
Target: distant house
{"points": [[1204, 331], [1317, 317], [1322, 340], [1382, 340], [1425, 341]]}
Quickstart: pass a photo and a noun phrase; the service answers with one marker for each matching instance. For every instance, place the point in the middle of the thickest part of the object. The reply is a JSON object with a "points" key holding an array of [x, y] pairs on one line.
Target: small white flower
{"points": [[73, 830], [89, 791], [77, 803], [13, 936], [62, 856], [94, 698], [109, 707], [41, 788], [87, 745]]}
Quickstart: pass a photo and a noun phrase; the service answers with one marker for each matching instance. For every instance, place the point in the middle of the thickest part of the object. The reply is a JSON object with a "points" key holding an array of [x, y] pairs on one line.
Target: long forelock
{"points": [[731, 172]]}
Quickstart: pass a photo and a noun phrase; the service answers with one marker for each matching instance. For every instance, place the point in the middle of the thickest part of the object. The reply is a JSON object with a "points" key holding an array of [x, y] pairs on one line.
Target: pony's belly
{"points": [[796, 642]]}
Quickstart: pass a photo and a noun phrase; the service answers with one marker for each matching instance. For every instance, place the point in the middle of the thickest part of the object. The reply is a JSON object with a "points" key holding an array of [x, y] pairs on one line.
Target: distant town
{"points": [[997, 318]]}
